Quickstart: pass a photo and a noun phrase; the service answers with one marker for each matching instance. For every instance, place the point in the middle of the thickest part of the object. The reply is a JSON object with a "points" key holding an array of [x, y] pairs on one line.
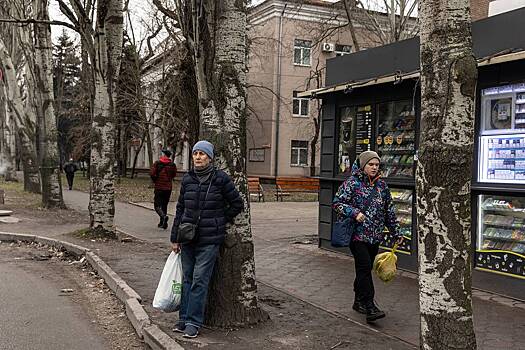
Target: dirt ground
{"points": [[87, 290]]}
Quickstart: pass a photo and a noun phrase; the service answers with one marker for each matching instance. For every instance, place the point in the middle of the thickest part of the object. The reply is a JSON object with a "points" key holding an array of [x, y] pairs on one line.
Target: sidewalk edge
{"points": [[152, 335]]}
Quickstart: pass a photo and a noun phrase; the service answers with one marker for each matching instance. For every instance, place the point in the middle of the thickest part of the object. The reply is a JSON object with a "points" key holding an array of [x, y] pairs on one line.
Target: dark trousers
{"points": [[364, 254], [160, 202], [197, 266], [70, 177]]}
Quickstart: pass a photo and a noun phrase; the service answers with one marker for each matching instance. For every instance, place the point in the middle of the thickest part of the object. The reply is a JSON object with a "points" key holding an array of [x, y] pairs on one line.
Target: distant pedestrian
{"points": [[70, 168], [162, 173], [208, 200], [365, 198]]}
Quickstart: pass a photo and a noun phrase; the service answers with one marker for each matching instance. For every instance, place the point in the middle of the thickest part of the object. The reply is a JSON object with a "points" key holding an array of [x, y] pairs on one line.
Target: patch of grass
{"points": [[97, 234], [16, 197]]}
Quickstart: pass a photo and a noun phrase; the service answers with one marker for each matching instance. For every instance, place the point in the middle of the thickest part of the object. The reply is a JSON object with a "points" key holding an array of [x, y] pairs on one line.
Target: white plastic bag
{"points": [[168, 294]]}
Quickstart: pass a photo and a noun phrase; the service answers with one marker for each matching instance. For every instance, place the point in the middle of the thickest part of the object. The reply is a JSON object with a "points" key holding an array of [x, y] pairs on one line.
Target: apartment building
{"points": [[289, 45]]}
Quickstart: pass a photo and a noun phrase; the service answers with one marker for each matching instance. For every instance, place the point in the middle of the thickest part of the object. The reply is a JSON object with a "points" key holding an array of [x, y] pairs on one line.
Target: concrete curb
{"points": [[137, 316], [158, 340], [152, 335]]}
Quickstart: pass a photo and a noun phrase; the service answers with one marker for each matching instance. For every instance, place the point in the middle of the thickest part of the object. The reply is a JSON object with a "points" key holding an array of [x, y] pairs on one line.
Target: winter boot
{"points": [[373, 313], [359, 306]]}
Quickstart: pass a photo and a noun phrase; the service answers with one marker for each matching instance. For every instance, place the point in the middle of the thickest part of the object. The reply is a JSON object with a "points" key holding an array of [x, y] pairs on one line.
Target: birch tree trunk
{"points": [[448, 80], [7, 144], [23, 122], [48, 133], [108, 48], [221, 80]]}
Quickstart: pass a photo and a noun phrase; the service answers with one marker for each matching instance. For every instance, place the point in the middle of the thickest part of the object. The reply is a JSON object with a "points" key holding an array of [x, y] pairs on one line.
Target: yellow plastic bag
{"points": [[385, 265]]}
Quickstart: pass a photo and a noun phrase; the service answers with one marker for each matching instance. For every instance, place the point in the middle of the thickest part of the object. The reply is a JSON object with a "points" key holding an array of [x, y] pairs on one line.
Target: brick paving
{"points": [[324, 278]]}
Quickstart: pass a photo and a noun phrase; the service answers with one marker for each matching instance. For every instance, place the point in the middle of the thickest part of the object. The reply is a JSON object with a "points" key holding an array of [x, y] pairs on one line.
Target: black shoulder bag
{"points": [[187, 232]]}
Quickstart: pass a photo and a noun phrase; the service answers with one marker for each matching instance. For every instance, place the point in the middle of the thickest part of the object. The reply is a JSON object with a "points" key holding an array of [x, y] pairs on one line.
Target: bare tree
{"points": [[16, 68], [215, 34], [47, 123], [448, 85], [103, 43]]}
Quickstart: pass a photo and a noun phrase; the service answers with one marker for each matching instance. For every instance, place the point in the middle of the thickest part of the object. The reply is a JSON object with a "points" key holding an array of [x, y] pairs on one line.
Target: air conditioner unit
{"points": [[328, 47]]}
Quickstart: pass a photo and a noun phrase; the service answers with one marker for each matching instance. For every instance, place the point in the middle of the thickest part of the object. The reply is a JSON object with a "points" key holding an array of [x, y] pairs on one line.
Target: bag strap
{"points": [[205, 197]]}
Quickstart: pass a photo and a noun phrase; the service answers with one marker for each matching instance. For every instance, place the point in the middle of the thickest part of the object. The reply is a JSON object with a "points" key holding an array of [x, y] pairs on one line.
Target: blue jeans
{"points": [[197, 267]]}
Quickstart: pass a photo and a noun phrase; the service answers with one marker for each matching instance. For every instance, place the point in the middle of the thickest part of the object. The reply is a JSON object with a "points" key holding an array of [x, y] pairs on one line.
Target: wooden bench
{"points": [[255, 188], [287, 185]]}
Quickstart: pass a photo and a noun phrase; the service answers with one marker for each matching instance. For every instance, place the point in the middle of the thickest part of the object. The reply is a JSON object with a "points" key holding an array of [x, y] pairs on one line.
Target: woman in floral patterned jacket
{"points": [[365, 198]]}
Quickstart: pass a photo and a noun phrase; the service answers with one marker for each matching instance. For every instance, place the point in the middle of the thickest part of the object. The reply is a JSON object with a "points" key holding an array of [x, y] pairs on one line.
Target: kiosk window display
{"points": [[501, 219], [501, 235], [396, 138]]}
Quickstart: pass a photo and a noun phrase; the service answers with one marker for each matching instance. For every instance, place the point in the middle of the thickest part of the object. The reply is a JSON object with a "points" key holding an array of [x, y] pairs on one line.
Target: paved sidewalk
{"points": [[323, 278]]}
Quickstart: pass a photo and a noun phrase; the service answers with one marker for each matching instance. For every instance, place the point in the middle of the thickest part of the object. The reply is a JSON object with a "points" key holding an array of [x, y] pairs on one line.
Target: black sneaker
{"points": [[165, 222], [373, 313], [191, 331], [359, 307], [180, 327]]}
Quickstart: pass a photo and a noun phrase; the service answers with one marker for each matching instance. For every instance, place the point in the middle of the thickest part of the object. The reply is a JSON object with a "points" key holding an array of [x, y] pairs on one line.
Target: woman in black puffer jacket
{"points": [[213, 192]]}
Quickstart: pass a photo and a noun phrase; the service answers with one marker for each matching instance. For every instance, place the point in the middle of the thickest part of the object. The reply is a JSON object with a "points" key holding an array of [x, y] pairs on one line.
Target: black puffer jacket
{"points": [[222, 205]]}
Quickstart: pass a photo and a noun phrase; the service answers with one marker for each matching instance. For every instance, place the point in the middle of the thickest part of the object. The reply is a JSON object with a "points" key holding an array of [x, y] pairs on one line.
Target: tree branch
{"points": [[35, 21]]}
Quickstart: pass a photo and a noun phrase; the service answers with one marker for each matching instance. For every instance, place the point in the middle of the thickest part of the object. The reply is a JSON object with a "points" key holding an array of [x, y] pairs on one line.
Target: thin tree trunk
{"points": [[108, 47], [24, 123], [48, 133], [7, 144], [448, 80], [222, 96]]}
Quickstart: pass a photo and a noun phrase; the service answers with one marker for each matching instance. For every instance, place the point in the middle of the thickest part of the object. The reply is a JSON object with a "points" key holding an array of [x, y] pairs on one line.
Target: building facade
{"points": [[289, 45]]}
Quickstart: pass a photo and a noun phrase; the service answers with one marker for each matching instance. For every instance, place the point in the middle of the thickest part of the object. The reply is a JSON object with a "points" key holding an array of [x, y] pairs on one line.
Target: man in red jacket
{"points": [[162, 173]]}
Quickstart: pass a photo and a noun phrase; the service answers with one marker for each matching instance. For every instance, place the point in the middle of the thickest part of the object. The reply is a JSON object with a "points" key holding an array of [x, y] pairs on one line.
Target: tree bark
{"points": [[448, 80], [222, 102], [24, 122], [48, 133], [108, 49], [7, 144]]}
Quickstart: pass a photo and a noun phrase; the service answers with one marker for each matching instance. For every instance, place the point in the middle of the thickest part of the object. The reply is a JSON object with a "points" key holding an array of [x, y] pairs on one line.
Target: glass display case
{"points": [[501, 235], [502, 159], [396, 138], [403, 205]]}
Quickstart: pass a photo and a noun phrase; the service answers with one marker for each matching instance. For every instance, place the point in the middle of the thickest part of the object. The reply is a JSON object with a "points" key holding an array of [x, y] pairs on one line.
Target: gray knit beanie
{"points": [[205, 147], [367, 156]]}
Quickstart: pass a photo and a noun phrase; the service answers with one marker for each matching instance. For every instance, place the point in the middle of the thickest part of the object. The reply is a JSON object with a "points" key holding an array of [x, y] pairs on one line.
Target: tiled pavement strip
{"points": [[324, 279]]}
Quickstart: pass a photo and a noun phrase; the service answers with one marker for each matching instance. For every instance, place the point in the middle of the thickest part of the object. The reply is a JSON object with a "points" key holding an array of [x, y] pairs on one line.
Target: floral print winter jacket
{"points": [[354, 194]]}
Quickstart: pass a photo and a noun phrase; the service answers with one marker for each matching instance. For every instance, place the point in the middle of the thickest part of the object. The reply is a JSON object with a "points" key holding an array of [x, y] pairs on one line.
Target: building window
{"points": [[300, 107], [256, 155], [299, 154], [301, 52], [341, 50]]}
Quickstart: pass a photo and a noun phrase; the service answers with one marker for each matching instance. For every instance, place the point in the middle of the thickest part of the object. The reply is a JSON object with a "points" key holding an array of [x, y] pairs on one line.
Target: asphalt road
{"points": [[35, 314]]}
